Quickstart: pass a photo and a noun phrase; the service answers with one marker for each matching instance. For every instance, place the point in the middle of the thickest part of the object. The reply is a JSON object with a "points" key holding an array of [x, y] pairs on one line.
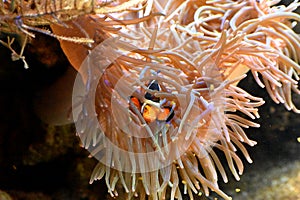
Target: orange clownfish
{"points": [[151, 109]]}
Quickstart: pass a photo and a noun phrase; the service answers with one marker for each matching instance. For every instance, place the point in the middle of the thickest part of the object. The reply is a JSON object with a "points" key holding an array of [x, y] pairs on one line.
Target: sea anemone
{"points": [[259, 37], [151, 137], [144, 155]]}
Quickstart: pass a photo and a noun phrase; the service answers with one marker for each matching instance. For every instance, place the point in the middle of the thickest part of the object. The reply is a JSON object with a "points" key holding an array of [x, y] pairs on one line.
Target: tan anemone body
{"points": [[198, 51], [172, 149]]}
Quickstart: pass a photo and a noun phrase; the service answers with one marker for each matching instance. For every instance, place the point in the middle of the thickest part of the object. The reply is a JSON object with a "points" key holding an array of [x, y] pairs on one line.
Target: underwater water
{"points": [[274, 173]]}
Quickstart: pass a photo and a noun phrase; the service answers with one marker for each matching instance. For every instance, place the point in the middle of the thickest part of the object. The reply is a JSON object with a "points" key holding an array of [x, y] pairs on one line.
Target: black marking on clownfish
{"points": [[154, 85]]}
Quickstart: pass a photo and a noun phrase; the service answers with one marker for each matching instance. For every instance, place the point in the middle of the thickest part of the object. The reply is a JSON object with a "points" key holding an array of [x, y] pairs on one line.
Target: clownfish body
{"points": [[151, 113]]}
